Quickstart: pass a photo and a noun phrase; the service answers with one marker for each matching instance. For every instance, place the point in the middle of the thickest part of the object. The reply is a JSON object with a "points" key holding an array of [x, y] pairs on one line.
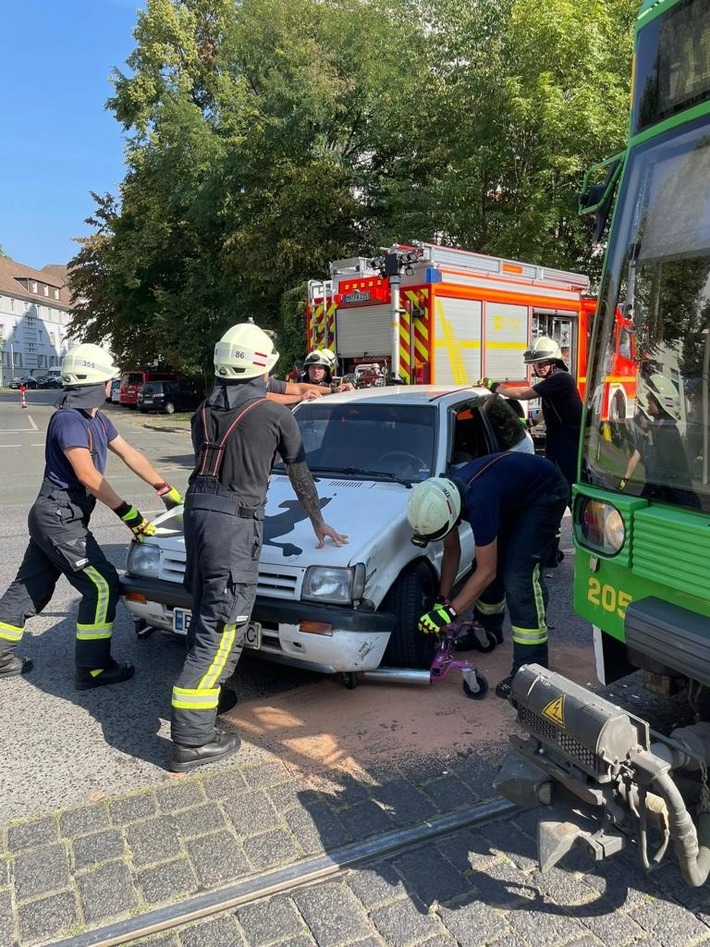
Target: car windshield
{"points": [[369, 440], [649, 422]]}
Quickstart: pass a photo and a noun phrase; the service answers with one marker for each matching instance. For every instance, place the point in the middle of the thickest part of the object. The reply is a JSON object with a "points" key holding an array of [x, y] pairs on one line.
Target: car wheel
{"points": [[411, 595], [169, 407]]}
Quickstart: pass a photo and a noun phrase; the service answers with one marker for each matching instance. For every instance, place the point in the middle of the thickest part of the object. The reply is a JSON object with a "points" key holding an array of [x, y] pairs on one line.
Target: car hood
{"points": [[361, 509]]}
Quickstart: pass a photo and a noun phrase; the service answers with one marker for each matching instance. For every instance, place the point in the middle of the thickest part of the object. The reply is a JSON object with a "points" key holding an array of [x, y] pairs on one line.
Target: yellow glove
{"points": [[135, 521], [434, 622], [169, 495]]}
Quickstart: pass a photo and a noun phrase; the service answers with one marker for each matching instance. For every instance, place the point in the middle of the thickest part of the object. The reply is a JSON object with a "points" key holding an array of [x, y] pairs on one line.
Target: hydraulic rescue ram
{"points": [[621, 774]]}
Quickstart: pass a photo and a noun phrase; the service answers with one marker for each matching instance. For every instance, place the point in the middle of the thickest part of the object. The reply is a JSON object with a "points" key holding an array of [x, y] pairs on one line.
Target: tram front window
{"points": [[648, 428]]}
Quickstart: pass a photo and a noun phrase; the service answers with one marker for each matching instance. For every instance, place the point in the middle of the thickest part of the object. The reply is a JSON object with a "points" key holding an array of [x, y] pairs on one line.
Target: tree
{"points": [[266, 139]]}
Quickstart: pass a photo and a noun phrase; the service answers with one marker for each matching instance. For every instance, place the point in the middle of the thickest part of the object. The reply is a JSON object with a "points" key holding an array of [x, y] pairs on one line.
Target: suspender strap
{"points": [[216, 450], [484, 469]]}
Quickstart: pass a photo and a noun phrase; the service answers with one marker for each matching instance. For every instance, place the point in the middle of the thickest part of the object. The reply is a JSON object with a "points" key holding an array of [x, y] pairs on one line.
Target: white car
{"points": [[351, 608]]}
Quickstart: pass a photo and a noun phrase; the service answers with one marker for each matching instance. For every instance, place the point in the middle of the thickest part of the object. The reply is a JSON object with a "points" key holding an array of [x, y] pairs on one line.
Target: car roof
{"points": [[403, 394]]}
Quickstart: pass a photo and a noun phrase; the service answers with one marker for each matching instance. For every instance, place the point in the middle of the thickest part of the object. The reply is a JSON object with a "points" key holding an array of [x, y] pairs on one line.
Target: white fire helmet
{"points": [[321, 357], [88, 364], [433, 509], [663, 391], [244, 351], [543, 349]]}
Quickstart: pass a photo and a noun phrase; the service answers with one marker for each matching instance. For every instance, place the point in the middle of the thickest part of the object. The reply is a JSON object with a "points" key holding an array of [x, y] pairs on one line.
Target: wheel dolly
{"points": [[474, 683]]}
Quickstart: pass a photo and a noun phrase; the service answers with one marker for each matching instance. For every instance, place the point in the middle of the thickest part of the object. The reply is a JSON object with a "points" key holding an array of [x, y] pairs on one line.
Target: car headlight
{"points": [[143, 559], [600, 527], [339, 586]]}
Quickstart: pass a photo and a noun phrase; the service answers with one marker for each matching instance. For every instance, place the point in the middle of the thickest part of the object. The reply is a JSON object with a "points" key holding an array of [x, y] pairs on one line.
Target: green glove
{"points": [[489, 384], [169, 495], [434, 622], [134, 520]]}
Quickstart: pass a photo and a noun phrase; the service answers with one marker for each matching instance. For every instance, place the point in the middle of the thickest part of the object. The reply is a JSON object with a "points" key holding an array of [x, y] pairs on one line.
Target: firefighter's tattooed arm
{"points": [[305, 489]]}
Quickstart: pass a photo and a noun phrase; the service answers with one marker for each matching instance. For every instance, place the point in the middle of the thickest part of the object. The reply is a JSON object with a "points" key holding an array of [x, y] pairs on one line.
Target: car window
{"points": [[376, 437], [483, 425], [504, 420], [134, 378]]}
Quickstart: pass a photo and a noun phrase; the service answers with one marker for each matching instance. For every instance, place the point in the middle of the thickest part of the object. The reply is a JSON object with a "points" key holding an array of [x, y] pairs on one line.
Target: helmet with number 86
{"points": [[245, 351]]}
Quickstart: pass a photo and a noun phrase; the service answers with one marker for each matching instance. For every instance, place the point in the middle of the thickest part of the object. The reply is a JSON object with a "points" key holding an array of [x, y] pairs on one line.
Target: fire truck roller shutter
{"points": [[364, 330], [506, 340], [457, 341]]}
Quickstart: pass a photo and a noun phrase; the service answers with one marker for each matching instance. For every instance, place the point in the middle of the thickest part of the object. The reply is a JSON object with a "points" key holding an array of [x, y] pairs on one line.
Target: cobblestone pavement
{"points": [[78, 870]]}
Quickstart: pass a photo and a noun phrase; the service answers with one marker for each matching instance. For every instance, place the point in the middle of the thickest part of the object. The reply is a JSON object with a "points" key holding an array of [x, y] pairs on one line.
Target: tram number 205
{"points": [[606, 596]]}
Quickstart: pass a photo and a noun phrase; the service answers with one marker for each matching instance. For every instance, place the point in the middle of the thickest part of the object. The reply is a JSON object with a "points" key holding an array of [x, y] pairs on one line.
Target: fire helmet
{"points": [[320, 357], [662, 390], [245, 351], [542, 350], [88, 364], [433, 509]]}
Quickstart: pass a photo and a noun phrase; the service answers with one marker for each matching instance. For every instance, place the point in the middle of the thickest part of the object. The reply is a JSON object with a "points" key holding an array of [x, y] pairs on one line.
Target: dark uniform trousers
{"points": [[523, 548], [223, 544], [61, 544]]}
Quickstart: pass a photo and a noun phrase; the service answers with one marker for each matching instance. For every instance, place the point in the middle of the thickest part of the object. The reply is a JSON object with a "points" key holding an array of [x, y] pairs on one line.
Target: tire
{"points": [[169, 407], [411, 595]]}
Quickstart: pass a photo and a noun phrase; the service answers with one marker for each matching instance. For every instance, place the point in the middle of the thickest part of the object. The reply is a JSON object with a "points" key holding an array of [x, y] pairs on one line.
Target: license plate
{"points": [[181, 620], [252, 636]]}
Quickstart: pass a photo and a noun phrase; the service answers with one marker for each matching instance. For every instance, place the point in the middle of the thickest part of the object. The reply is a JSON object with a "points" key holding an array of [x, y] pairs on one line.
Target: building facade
{"points": [[35, 313]]}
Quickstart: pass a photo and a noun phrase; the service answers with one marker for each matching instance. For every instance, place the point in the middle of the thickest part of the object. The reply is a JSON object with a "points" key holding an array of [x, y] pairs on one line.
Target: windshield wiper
{"points": [[382, 474]]}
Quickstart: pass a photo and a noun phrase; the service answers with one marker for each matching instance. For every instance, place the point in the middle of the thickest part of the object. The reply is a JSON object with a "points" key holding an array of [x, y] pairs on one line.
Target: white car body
{"points": [[335, 609]]}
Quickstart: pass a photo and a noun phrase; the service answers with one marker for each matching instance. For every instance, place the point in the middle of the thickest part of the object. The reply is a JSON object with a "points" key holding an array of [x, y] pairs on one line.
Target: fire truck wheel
{"points": [[408, 599]]}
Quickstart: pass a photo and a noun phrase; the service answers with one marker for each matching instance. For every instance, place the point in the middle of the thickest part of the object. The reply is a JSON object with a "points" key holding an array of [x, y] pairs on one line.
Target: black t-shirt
{"points": [[506, 485], [267, 429], [561, 403]]}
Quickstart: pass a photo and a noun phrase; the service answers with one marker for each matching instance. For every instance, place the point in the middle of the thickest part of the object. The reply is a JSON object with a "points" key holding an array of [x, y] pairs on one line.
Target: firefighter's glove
{"points": [[622, 483], [434, 622], [489, 384], [134, 520], [169, 495]]}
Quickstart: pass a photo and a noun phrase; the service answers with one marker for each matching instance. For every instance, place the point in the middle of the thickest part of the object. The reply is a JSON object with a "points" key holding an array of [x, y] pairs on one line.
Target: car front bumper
{"points": [[315, 637]]}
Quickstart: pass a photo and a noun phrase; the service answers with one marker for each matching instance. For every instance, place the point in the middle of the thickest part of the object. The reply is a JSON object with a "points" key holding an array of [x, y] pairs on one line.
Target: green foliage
{"points": [[267, 138]]}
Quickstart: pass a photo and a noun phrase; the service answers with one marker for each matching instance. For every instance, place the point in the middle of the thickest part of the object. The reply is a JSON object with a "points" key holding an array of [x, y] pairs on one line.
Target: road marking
{"points": [[31, 420]]}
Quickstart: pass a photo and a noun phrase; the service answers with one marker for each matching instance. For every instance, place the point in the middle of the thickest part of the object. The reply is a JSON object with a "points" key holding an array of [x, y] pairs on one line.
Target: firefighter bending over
{"points": [[513, 503], [61, 543], [236, 433]]}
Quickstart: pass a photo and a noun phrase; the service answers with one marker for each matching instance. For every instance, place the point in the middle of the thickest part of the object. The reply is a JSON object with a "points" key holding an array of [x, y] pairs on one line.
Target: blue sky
{"points": [[59, 142]]}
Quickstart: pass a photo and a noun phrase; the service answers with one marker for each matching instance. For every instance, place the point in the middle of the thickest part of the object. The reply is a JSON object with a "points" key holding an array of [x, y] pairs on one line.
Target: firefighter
{"points": [[318, 369], [513, 502], [236, 434], [561, 411], [61, 543]]}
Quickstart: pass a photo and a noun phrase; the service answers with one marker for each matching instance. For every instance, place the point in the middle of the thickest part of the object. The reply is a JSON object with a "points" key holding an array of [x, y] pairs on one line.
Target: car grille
{"points": [[274, 583]]}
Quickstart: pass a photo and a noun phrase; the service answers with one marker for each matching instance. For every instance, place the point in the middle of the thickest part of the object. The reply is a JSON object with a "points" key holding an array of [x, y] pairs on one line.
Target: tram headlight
{"points": [[600, 527]]}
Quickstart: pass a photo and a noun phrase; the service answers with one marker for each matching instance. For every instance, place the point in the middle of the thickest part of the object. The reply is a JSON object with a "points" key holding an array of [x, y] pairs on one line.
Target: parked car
{"points": [[132, 381], [50, 381], [344, 609], [169, 396], [29, 381], [115, 396]]}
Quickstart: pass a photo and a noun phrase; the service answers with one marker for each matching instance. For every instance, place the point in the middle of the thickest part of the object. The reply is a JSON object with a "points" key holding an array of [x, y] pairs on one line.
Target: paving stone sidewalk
{"points": [[80, 869]]}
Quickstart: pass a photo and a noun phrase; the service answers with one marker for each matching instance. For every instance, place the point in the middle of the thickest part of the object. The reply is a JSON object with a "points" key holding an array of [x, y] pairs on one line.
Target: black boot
{"points": [[87, 679], [11, 665], [185, 758]]}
